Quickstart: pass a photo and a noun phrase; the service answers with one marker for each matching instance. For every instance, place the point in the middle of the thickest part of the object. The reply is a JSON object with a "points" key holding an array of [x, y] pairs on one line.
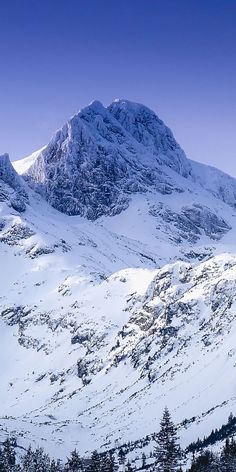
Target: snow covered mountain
{"points": [[117, 285], [104, 155]]}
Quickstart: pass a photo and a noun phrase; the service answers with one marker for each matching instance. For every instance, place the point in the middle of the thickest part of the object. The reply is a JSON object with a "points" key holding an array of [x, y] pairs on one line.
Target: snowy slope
{"points": [[124, 300]]}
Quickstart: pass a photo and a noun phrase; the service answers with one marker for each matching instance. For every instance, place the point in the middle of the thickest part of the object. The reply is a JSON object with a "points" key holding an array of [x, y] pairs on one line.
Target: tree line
{"points": [[166, 457]]}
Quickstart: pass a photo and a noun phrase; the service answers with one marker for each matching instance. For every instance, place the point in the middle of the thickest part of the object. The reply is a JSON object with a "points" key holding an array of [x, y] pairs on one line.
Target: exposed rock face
{"points": [[104, 155], [93, 165], [191, 222], [145, 126], [12, 190]]}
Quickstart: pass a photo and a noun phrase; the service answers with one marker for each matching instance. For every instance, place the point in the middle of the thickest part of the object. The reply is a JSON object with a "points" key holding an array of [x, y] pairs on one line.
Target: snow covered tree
{"points": [[121, 456], [74, 462], [28, 461], [56, 466], [2, 468], [8, 458], [41, 460], [228, 456], [205, 462], [109, 463], [95, 463], [144, 460], [167, 450]]}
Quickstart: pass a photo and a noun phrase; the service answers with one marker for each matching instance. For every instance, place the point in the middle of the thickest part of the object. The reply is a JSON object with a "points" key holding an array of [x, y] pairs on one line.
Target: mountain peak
{"points": [[129, 105], [7, 172], [12, 186], [103, 155], [95, 104], [147, 128], [4, 160]]}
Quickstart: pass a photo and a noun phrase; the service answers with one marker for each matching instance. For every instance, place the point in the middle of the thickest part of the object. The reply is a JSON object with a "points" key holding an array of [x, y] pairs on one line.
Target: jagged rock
{"points": [[16, 233], [12, 188], [191, 222]]}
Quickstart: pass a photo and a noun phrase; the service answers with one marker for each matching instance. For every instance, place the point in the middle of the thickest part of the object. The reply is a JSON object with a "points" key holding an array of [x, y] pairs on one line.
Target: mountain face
{"points": [[147, 129], [102, 156], [118, 291], [93, 165]]}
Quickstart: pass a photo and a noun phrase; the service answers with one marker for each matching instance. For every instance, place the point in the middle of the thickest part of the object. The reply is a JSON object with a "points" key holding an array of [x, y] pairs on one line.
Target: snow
{"points": [[22, 165], [123, 305]]}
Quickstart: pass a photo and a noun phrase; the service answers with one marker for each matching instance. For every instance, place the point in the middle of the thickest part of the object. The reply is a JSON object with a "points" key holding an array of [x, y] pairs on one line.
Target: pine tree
{"points": [[8, 456], [205, 462], [2, 467], [95, 463], [112, 464], [144, 460], [228, 456], [121, 456], [167, 450], [74, 462], [108, 463], [28, 461], [56, 466]]}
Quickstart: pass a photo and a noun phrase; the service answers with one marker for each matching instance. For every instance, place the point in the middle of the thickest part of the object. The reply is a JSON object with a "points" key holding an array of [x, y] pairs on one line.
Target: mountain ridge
{"points": [[105, 148]]}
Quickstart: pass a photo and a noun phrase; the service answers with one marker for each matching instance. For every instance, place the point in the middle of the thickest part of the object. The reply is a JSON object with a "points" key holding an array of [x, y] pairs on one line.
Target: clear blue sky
{"points": [[176, 56]]}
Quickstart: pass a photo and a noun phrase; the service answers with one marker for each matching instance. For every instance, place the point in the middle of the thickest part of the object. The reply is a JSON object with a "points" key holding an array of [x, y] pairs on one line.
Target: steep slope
{"points": [[95, 339], [104, 155], [12, 187], [104, 322], [92, 166], [145, 126]]}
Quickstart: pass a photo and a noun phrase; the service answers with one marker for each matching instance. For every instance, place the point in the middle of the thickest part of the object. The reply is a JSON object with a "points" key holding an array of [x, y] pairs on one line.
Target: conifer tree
{"points": [[41, 460], [205, 462], [144, 460], [8, 456], [27, 460], [167, 450], [95, 463], [121, 456], [74, 462], [112, 464], [56, 466], [228, 456], [2, 468]]}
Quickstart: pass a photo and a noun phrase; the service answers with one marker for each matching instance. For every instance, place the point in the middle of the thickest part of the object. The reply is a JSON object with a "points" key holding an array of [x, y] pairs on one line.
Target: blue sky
{"points": [[176, 56]]}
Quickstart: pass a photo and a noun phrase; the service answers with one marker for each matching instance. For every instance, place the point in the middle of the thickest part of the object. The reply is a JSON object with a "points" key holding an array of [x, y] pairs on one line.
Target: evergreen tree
{"points": [[74, 462], [228, 456], [108, 463], [56, 466], [8, 456], [205, 462], [41, 460], [121, 456], [144, 460], [95, 463], [112, 465], [28, 461], [2, 468], [167, 450]]}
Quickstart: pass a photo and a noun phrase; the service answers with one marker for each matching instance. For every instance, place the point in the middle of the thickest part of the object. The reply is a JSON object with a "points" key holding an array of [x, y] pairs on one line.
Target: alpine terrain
{"points": [[118, 286]]}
